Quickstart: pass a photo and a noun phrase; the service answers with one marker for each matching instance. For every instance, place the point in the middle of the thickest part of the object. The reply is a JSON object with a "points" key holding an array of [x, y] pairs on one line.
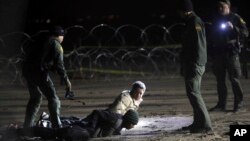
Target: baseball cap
{"points": [[57, 31]]}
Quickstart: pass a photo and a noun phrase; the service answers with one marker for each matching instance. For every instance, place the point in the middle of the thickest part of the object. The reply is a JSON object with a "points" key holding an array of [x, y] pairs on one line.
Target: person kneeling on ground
{"points": [[129, 99]]}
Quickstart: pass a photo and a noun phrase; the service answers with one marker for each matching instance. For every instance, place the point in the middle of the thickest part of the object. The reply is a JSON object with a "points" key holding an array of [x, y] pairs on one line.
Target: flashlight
{"points": [[223, 26]]}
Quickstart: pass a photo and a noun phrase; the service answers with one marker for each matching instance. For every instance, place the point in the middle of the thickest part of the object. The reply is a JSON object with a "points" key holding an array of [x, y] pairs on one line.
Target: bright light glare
{"points": [[155, 124], [223, 26]]}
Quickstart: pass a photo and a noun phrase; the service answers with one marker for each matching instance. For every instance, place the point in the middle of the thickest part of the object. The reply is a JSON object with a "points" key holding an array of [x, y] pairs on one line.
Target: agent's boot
{"points": [[218, 107]]}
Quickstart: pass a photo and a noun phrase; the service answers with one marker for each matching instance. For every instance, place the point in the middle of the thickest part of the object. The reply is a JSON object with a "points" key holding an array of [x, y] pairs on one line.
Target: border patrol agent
{"points": [[39, 61], [228, 29], [193, 60]]}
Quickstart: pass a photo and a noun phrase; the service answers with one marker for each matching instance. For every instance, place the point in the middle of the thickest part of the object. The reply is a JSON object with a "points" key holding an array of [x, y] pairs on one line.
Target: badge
{"points": [[60, 49], [198, 27], [242, 21]]}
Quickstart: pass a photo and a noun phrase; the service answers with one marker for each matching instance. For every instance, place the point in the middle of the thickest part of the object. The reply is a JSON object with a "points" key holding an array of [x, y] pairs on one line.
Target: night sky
{"points": [[114, 12], [28, 15]]}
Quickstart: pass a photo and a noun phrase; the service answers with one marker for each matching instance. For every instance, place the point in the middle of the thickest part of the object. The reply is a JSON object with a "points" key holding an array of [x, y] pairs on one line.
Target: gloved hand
{"points": [[69, 95]]}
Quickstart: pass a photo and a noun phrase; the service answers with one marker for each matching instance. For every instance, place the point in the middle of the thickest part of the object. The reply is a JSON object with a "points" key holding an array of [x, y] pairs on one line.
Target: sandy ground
{"points": [[164, 111]]}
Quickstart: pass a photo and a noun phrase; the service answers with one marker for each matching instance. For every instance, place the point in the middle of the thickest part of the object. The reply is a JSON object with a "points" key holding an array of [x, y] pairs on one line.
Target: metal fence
{"points": [[103, 52]]}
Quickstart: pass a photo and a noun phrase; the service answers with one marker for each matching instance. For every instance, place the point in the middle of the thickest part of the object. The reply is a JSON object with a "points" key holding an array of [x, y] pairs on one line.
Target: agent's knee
{"points": [[54, 102]]}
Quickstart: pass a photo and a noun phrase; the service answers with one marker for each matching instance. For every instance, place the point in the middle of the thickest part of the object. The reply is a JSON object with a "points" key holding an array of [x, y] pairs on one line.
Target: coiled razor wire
{"points": [[103, 51]]}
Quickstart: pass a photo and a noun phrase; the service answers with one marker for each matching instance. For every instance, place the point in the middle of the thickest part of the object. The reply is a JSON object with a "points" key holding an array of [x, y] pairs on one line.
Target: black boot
{"points": [[238, 106], [218, 107]]}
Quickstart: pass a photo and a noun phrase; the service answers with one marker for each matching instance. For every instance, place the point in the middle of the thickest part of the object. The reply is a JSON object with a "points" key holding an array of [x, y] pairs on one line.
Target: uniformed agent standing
{"points": [[39, 61], [228, 29], [193, 60]]}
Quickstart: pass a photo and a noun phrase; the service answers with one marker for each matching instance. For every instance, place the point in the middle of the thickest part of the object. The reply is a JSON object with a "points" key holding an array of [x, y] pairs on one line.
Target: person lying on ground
{"points": [[101, 123]]}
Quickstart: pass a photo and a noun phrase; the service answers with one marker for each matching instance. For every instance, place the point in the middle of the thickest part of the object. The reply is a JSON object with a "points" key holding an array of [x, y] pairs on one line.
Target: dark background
{"points": [[32, 15]]}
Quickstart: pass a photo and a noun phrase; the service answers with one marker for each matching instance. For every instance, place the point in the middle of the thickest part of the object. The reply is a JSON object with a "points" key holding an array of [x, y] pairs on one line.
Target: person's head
{"points": [[184, 7], [57, 32], [130, 119], [138, 89], [224, 7]]}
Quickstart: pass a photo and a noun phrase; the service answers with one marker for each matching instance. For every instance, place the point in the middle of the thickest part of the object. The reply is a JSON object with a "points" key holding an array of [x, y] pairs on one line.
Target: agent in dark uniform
{"points": [[41, 59], [228, 29], [193, 60]]}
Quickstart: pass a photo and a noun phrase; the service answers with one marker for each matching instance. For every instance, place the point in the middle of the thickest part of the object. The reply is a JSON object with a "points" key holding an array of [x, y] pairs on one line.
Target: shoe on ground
{"points": [[201, 130], [188, 127], [238, 110], [238, 107], [218, 109], [44, 116]]}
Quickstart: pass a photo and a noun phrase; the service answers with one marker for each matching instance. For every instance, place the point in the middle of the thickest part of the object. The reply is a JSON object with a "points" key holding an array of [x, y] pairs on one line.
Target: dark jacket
{"points": [[194, 47], [104, 123], [100, 123]]}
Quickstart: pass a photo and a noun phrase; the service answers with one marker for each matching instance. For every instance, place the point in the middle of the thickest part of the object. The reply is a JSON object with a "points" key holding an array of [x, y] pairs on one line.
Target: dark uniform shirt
{"points": [[226, 40], [194, 42]]}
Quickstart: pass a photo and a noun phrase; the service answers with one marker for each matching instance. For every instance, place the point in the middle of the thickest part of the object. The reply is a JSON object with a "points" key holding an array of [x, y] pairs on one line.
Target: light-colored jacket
{"points": [[123, 103]]}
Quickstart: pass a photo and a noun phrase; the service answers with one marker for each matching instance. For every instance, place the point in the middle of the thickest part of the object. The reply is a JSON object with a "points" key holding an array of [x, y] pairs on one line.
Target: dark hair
{"points": [[131, 116], [57, 31], [138, 84]]}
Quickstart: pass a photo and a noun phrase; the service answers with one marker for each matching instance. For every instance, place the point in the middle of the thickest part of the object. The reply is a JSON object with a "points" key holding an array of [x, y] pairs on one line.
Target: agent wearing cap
{"points": [[129, 99], [227, 31], [42, 58], [193, 61]]}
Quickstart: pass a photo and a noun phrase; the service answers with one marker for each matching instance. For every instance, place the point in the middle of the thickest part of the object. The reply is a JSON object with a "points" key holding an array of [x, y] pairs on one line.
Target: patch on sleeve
{"points": [[242, 21], [198, 27], [60, 49]]}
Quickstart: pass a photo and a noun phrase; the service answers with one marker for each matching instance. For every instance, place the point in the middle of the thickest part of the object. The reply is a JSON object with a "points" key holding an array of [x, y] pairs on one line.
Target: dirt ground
{"points": [[163, 112]]}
